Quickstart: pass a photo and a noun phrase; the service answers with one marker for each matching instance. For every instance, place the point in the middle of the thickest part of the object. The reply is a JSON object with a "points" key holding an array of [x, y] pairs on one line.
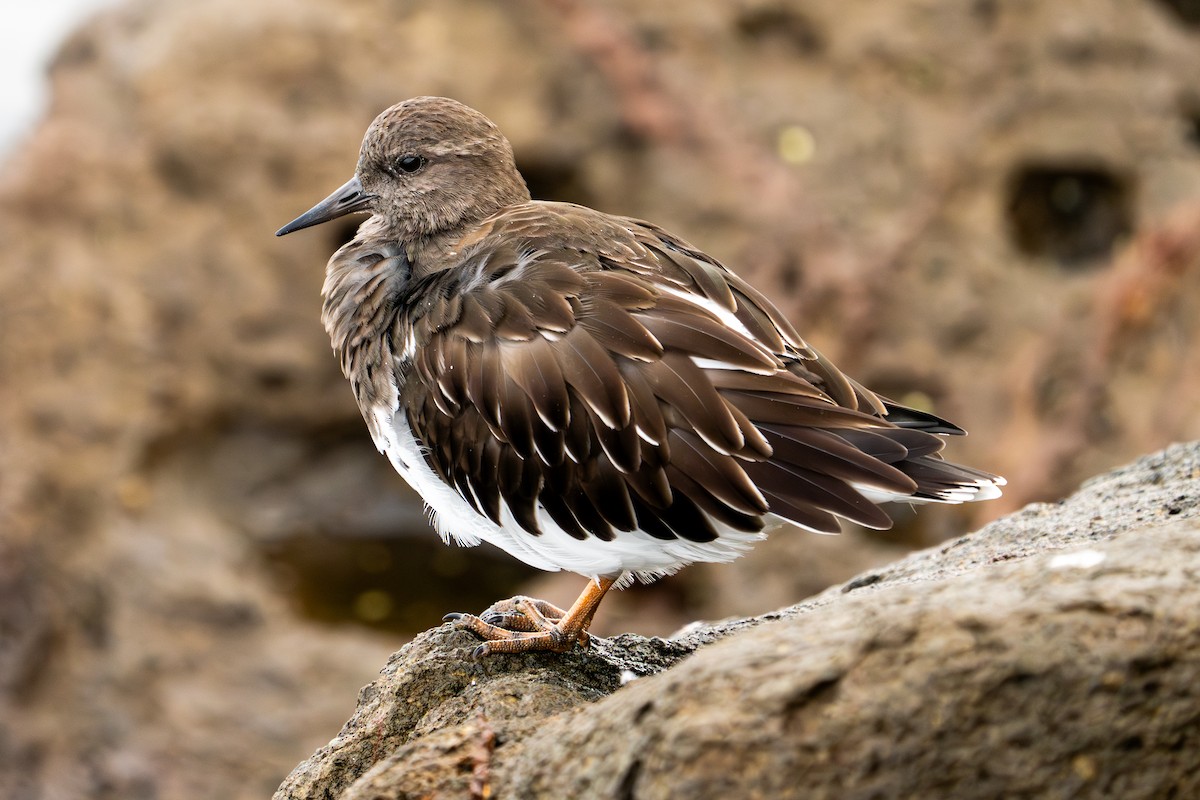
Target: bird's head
{"points": [[427, 165]]}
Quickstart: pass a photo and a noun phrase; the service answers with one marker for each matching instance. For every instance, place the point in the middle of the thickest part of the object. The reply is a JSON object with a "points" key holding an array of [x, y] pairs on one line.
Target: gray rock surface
{"points": [[1054, 653]]}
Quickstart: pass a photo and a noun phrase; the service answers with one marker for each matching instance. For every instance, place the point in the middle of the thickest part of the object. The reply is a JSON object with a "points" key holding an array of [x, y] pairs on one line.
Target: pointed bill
{"points": [[347, 199]]}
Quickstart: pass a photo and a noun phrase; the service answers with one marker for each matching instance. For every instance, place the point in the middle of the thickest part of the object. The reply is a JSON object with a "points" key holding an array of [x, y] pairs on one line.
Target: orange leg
{"points": [[522, 624]]}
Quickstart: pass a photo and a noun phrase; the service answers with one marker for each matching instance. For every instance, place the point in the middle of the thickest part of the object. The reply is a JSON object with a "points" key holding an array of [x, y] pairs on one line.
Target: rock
{"points": [[1055, 652]]}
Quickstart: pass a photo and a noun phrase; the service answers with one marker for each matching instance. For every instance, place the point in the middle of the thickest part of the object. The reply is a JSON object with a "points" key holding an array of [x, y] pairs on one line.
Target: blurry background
{"points": [[990, 209]]}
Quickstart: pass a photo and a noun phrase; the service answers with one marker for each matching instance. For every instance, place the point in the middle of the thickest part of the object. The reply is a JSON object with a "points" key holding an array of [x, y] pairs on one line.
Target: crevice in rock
{"points": [[557, 179], [1071, 214], [1186, 12], [627, 788], [779, 23]]}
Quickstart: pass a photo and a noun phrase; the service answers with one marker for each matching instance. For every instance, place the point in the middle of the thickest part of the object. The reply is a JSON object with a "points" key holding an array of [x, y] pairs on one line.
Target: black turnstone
{"points": [[589, 392]]}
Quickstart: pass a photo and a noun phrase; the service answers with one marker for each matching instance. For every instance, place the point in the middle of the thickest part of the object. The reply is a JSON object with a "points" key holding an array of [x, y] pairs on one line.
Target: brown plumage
{"points": [[589, 392]]}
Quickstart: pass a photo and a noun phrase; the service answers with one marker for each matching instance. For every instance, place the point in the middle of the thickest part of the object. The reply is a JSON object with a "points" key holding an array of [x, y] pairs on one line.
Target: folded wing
{"points": [[629, 382]]}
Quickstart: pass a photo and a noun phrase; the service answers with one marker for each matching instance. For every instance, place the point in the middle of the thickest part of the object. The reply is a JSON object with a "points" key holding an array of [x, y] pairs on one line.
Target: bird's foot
{"points": [[521, 625]]}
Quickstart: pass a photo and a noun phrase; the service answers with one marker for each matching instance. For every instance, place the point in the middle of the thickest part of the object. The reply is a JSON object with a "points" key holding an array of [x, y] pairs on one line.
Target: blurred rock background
{"points": [[990, 209]]}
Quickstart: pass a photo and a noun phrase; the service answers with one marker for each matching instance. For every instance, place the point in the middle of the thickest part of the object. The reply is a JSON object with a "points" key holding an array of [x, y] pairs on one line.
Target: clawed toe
{"points": [[522, 624], [505, 640], [511, 620]]}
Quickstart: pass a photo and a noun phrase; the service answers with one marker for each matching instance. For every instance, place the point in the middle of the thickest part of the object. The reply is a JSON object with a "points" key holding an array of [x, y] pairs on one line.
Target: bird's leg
{"points": [[530, 625]]}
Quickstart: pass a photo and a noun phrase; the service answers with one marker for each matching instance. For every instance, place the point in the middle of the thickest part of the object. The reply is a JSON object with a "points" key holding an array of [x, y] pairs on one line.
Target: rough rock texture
{"points": [[985, 207], [1053, 653]]}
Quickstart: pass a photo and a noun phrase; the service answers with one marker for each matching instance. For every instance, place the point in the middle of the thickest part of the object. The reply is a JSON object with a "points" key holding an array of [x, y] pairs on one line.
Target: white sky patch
{"points": [[29, 37]]}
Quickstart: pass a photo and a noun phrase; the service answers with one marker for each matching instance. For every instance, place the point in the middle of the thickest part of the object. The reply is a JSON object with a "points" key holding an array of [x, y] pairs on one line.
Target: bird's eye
{"points": [[409, 164]]}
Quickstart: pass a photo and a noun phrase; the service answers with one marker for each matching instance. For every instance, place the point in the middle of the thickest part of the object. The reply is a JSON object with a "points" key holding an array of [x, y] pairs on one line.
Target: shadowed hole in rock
{"points": [[654, 38], [403, 584], [1071, 214], [1191, 122], [1017, 677], [791, 274], [557, 179], [1184, 11], [986, 11], [778, 23], [182, 175], [274, 380]]}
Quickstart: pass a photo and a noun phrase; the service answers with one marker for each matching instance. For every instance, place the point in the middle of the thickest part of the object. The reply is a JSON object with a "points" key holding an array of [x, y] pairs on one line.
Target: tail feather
{"points": [[816, 474], [906, 417], [947, 482], [837, 450]]}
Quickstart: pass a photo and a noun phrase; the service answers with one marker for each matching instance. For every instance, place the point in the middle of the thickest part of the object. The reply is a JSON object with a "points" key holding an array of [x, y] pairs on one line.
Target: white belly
{"points": [[631, 551]]}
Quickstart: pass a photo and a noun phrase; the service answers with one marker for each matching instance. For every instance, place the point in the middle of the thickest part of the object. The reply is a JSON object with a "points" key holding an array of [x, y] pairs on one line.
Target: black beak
{"points": [[346, 200]]}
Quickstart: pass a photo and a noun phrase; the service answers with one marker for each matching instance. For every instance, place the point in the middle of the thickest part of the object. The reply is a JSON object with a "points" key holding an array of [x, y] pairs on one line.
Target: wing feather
{"points": [[533, 367], [590, 371]]}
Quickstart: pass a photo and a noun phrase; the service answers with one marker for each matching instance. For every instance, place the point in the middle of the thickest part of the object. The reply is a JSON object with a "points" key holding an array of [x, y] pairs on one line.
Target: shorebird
{"points": [[585, 391]]}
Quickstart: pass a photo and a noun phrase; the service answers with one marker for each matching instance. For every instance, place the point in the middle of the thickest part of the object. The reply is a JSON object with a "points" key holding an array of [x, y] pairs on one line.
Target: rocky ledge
{"points": [[1054, 653]]}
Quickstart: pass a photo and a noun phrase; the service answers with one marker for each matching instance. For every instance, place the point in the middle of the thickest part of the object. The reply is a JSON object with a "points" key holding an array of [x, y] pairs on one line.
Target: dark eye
{"points": [[409, 164]]}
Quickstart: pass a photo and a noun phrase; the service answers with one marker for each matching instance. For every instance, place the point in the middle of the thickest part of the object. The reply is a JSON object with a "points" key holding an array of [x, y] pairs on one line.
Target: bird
{"points": [[589, 392]]}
